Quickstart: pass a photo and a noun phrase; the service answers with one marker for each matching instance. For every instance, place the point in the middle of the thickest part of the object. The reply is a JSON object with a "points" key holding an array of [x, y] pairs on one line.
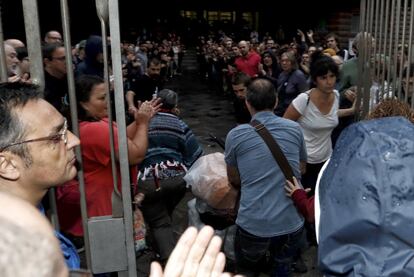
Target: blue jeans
{"points": [[251, 250]]}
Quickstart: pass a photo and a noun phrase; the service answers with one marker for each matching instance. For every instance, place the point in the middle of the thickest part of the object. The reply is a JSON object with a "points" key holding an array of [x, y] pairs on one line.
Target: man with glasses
{"points": [[36, 150], [56, 87], [53, 37]]}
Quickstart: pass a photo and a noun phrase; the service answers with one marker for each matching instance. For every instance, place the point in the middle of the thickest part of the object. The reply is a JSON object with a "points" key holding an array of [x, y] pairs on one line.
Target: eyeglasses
{"points": [[55, 38], [56, 138], [59, 58]]}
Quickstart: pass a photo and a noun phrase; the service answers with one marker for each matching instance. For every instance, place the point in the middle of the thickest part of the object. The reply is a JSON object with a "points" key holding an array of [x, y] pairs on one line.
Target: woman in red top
{"points": [[94, 135]]}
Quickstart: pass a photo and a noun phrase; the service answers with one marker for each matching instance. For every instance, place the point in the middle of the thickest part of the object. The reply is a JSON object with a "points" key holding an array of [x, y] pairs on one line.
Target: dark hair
{"points": [[169, 98], [261, 94], [154, 61], [332, 35], [271, 55], [49, 48], [13, 96], [320, 64], [84, 85], [240, 78], [21, 53]]}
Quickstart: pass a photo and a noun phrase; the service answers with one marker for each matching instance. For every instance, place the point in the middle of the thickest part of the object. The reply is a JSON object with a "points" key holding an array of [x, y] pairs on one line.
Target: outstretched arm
{"points": [[305, 205]]}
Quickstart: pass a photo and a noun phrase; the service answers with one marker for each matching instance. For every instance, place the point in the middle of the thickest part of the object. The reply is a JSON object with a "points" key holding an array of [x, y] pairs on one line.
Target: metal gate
{"points": [[385, 55], [109, 240]]}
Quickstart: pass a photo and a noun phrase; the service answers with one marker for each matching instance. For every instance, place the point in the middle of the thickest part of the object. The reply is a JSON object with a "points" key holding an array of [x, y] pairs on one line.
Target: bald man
{"points": [[53, 37], [249, 60], [15, 43], [28, 246], [12, 63]]}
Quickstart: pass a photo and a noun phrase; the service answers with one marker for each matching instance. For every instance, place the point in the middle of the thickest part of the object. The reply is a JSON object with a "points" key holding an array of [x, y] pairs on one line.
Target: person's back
{"points": [[172, 147], [265, 213], [265, 206], [366, 198]]}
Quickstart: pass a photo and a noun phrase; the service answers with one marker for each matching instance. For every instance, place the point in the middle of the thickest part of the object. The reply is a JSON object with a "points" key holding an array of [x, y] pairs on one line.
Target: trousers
{"points": [[251, 250], [157, 209]]}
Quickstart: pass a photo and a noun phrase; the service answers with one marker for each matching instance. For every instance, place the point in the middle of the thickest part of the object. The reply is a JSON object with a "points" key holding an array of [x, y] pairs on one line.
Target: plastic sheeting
{"points": [[367, 201]]}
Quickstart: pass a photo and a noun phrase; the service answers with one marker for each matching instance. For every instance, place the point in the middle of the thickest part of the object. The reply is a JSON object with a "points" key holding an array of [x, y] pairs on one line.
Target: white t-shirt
{"points": [[316, 127]]}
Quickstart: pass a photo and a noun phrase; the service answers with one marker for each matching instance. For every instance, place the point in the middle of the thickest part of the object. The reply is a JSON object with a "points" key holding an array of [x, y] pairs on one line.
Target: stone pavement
{"points": [[208, 113]]}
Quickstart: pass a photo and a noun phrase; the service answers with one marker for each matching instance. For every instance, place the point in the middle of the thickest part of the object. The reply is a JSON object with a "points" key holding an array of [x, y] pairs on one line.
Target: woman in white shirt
{"points": [[317, 111]]}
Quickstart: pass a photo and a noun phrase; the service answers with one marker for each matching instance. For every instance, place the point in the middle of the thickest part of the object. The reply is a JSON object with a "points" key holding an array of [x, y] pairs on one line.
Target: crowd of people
{"points": [[360, 181]]}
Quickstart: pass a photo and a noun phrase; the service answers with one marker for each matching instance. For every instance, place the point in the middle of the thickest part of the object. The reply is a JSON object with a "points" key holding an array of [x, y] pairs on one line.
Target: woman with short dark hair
{"points": [[317, 111]]}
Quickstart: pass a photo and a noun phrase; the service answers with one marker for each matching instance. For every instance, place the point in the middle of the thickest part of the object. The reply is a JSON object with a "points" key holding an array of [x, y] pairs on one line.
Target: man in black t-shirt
{"points": [[145, 86]]}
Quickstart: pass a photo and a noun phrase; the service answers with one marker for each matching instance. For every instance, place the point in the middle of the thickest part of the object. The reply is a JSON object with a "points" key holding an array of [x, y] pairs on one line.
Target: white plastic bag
{"points": [[207, 178]]}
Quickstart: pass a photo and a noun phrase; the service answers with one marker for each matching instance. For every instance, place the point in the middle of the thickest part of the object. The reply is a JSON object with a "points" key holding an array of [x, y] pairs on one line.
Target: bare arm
{"points": [[346, 112], [310, 37], [130, 101], [138, 134], [234, 176], [350, 94], [291, 113]]}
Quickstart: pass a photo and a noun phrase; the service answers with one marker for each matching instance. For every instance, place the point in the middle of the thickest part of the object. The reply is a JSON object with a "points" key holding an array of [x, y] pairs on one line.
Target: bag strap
{"points": [[274, 148]]}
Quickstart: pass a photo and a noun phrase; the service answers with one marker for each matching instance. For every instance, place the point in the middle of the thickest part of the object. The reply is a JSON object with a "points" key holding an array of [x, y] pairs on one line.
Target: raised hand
{"points": [[196, 254]]}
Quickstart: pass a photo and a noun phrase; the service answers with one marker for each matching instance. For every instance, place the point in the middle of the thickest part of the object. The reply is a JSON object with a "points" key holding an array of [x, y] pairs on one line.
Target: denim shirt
{"points": [[265, 210]]}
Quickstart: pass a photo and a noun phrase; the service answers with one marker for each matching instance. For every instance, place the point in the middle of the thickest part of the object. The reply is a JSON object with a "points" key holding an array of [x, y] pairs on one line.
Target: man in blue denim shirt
{"points": [[267, 219], [36, 149]]}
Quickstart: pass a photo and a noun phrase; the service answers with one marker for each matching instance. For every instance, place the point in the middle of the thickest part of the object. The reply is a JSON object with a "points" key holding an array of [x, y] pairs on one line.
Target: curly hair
{"points": [[392, 107]]}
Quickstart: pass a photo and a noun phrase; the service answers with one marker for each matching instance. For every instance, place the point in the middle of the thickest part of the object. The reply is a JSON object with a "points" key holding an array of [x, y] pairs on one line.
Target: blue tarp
{"points": [[367, 201]]}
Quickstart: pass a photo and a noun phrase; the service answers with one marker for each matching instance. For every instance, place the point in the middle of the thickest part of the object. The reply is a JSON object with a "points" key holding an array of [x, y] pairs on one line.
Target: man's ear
{"points": [[9, 168], [276, 102], [249, 107]]}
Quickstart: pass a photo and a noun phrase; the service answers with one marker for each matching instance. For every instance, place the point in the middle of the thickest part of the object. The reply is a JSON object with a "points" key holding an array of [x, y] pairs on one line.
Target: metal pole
{"points": [[102, 11], [377, 23], [402, 51], [31, 24], [123, 151], [360, 59], [381, 37], [389, 69], [3, 67], [410, 44], [368, 52], [383, 56], [395, 57], [75, 127]]}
